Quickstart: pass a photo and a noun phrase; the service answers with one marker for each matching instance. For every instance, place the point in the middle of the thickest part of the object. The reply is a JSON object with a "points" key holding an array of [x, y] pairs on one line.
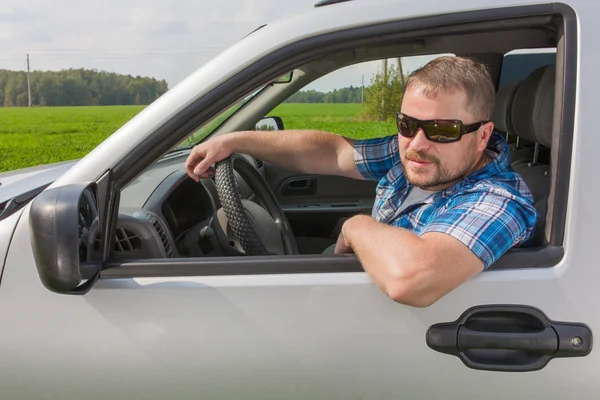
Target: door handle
{"points": [[541, 342], [509, 338], [304, 186]]}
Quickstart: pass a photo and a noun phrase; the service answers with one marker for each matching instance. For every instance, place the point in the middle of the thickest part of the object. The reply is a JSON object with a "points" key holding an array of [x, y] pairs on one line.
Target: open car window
{"points": [[317, 205]]}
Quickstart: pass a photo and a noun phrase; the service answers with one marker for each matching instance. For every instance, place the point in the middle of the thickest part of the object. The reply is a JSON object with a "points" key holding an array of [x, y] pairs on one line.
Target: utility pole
{"points": [[400, 72], [385, 71], [385, 86], [28, 82], [362, 93]]}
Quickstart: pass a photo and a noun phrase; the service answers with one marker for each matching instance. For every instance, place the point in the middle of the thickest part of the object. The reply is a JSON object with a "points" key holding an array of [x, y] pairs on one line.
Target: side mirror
{"points": [[60, 220], [269, 124]]}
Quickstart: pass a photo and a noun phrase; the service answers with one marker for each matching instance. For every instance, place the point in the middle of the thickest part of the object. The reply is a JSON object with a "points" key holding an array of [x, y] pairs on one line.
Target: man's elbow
{"points": [[412, 288], [402, 293]]}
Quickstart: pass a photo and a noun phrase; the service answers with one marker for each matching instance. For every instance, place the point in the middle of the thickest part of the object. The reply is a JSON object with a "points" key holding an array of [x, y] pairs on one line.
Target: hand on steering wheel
{"points": [[252, 225]]}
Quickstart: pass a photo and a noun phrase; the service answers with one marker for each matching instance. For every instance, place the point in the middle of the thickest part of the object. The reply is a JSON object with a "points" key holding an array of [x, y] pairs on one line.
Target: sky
{"points": [[164, 39]]}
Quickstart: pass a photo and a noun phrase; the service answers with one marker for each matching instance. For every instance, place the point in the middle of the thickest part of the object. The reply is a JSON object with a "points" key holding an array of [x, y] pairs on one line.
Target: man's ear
{"points": [[485, 131]]}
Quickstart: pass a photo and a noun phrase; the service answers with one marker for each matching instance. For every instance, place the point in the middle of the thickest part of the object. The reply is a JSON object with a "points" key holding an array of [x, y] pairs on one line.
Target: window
{"points": [[305, 198]]}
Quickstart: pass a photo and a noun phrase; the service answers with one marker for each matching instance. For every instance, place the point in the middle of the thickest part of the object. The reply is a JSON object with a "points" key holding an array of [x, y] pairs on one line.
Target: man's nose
{"points": [[419, 142]]}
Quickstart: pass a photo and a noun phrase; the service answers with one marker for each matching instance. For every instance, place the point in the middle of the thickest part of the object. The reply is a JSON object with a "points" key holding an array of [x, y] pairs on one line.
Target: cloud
{"points": [[162, 39], [18, 15], [36, 36], [172, 28]]}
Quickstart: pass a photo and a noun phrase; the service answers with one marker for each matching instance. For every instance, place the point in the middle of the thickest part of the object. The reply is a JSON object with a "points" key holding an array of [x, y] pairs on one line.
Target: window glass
{"points": [[518, 64]]}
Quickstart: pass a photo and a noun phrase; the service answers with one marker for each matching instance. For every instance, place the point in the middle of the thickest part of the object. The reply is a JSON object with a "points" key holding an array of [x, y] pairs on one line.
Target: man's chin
{"points": [[421, 181]]}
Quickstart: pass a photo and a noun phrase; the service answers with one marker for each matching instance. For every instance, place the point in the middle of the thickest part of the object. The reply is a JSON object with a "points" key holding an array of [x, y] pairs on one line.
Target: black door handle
{"points": [[509, 338], [542, 342], [303, 186]]}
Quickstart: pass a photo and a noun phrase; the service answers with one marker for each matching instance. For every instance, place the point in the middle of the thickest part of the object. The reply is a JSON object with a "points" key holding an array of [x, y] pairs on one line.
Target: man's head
{"points": [[450, 88]]}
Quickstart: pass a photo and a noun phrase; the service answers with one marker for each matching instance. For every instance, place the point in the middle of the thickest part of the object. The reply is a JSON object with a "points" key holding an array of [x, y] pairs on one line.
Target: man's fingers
{"points": [[193, 159], [203, 166], [199, 163], [209, 173]]}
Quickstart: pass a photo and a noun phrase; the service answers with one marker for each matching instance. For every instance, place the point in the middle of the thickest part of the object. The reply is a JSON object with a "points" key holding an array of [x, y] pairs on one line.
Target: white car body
{"points": [[325, 335]]}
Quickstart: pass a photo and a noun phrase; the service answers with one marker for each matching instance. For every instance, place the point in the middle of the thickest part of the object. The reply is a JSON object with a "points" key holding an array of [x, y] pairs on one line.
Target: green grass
{"points": [[342, 119], [33, 136]]}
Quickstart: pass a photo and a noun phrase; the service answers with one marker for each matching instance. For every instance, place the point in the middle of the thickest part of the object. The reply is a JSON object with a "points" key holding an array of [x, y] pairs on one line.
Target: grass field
{"points": [[32, 136]]}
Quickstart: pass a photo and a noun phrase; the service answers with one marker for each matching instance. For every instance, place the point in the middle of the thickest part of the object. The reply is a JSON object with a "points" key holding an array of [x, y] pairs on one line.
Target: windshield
{"points": [[215, 123]]}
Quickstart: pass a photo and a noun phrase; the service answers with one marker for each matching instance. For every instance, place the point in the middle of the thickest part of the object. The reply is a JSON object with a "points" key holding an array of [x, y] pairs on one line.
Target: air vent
{"points": [[125, 241], [259, 163], [163, 235]]}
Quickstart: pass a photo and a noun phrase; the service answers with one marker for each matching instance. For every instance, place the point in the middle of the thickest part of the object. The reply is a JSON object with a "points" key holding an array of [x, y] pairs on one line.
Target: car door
{"points": [[282, 327], [331, 334]]}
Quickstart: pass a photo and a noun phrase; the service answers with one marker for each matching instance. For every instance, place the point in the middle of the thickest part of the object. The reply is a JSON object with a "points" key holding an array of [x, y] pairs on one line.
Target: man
{"points": [[447, 205]]}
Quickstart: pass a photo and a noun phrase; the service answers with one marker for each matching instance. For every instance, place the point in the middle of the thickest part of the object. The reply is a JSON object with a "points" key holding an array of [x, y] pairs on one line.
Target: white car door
{"points": [[279, 327]]}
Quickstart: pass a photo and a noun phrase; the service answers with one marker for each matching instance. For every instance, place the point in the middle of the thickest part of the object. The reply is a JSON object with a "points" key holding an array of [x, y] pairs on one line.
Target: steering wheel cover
{"points": [[231, 201]]}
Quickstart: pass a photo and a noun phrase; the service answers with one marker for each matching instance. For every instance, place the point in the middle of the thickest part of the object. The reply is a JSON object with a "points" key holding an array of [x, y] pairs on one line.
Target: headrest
{"points": [[502, 111], [533, 106]]}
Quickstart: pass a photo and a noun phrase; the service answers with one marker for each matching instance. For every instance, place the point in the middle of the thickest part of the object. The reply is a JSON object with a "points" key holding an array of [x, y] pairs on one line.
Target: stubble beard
{"points": [[436, 174]]}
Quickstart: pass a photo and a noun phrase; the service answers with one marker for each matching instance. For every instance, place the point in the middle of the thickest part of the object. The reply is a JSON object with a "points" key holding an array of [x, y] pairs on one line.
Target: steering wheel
{"points": [[260, 231]]}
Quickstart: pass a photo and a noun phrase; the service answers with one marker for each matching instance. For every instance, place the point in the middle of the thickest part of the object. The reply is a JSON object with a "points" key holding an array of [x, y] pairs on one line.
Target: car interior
{"points": [[165, 214]]}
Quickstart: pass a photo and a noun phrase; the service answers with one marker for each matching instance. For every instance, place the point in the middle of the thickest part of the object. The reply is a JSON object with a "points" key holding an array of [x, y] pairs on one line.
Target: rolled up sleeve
{"points": [[488, 223], [375, 157]]}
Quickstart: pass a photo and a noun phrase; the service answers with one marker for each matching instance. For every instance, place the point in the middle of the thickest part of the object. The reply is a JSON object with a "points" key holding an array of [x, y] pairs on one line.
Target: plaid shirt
{"points": [[489, 211]]}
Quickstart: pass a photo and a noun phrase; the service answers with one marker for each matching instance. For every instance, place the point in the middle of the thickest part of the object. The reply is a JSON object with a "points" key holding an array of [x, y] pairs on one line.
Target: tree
{"points": [[78, 87], [383, 96]]}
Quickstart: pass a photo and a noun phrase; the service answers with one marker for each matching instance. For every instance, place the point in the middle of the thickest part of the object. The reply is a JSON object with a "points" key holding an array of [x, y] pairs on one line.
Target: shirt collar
{"points": [[497, 144]]}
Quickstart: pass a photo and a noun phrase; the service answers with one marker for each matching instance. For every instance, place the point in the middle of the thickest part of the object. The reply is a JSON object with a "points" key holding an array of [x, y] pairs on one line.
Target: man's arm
{"points": [[310, 152], [473, 231], [411, 270]]}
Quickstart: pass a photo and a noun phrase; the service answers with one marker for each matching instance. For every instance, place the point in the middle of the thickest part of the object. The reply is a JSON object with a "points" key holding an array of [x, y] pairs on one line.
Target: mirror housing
{"points": [[285, 78], [269, 124], [60, 219]]}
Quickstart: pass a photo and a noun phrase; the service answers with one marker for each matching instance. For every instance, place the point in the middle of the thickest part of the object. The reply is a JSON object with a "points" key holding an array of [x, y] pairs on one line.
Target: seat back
{"points": [[518, 152], [532, 116]]}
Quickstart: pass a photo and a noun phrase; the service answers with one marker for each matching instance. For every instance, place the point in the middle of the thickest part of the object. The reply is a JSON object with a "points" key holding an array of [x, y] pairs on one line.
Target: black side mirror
{"points": [[60, 220], [269, 124]]}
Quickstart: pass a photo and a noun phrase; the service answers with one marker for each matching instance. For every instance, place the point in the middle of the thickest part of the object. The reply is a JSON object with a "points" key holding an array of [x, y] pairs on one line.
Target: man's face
{"points": [[436, 166]]}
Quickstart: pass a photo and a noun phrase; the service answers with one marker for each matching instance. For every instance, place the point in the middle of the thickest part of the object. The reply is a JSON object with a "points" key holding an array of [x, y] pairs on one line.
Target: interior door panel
{"points": [[317, 205]]}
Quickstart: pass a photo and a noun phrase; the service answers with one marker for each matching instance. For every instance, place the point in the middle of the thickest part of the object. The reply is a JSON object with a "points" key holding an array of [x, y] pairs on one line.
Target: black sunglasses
{"points": [[436, 130]]}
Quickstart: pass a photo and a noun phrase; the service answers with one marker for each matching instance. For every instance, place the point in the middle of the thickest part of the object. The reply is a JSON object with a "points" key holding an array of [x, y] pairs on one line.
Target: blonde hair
{"points": [[449, 73]]}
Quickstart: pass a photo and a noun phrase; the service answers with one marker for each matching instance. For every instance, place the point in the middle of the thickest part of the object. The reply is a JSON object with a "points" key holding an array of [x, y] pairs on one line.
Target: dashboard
{"points": [[165, 214]]}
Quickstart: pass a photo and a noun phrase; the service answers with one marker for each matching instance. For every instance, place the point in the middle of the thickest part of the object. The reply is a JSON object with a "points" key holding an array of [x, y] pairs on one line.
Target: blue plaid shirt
{"points": [[489, 211]]}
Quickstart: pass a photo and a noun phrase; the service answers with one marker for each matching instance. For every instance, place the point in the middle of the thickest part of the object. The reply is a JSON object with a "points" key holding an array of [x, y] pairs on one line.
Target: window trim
{"points": [[297, 53]]}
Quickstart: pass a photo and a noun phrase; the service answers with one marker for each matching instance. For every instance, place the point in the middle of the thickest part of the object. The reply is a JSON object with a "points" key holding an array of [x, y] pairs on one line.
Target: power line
{"points": [[113, 57]]}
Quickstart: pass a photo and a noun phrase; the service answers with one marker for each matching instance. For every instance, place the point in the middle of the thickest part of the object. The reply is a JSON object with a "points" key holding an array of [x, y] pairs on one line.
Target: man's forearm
{"points": [[410, 269], [388, 255], [305, 151]]}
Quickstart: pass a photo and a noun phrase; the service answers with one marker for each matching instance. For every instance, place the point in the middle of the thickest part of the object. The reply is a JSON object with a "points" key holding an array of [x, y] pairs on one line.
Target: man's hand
{"points": [[198, 164], [342, 246]]}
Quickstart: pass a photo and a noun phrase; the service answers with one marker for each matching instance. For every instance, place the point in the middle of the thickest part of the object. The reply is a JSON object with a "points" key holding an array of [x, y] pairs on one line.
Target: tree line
{"points": [[381, 98], [345, 95], [77, 87]]}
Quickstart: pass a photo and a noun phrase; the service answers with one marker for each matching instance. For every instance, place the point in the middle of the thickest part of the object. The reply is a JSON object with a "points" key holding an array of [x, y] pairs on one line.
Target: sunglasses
{"points": [[436, 130]]}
